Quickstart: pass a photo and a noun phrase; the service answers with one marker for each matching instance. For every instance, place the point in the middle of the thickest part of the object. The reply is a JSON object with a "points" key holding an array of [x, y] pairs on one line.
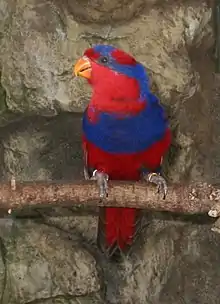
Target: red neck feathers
{"points": [[113, 92]]}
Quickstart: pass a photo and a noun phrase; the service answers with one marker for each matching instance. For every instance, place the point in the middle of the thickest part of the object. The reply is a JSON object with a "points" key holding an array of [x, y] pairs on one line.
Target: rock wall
{"points": [[50, 256], [42, 39]]}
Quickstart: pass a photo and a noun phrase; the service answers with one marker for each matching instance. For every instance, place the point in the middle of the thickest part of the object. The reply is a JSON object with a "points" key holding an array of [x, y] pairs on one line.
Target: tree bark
{"points": [[191, 199]]}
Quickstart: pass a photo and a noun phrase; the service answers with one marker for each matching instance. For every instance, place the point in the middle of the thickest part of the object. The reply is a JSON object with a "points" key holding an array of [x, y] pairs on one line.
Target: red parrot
{"points": [[125, 136]]}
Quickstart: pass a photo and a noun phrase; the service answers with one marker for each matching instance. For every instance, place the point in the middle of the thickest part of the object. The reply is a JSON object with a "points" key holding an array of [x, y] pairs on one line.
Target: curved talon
{"points": [[86, 173], [13, 183], [102, 181], [159, 181]]}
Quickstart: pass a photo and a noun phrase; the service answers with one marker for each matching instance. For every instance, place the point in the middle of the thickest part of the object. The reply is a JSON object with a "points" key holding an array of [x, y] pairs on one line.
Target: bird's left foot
{"points": [[157, 180]]}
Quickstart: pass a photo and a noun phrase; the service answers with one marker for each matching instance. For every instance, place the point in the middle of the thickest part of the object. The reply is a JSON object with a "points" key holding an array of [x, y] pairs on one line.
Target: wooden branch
{"points": [[191, 199]]}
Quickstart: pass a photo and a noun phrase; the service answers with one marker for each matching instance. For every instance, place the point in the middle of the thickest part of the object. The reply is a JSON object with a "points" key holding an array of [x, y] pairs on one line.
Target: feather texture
{"points": [[125, 131]]}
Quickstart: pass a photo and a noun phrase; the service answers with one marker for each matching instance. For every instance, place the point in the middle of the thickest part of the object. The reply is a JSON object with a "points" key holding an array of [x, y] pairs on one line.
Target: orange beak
{"points": [[83, 68]]}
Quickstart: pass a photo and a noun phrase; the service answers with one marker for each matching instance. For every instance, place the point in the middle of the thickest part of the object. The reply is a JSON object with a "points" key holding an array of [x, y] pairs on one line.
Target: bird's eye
{"points": [[103, 59]]}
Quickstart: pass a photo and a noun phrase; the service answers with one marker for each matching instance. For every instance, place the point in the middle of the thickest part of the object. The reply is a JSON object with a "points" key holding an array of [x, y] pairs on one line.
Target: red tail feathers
{"points": [[118, 226]]}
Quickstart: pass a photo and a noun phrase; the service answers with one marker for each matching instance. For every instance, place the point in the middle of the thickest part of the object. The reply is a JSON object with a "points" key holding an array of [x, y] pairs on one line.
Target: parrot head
{"points": [[119, 82]]}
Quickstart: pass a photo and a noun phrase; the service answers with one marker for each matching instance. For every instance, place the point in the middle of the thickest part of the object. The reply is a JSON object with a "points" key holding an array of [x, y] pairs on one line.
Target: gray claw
{"points": [[86, 173], [159, 181], [102, 181]]}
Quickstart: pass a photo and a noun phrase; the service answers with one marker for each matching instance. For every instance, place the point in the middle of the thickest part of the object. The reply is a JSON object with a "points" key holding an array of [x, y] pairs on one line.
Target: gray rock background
{"points": [[50, 256]]}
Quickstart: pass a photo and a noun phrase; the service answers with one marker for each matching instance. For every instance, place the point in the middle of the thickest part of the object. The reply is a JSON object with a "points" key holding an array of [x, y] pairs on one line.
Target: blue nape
{"points": [[128, 135]]}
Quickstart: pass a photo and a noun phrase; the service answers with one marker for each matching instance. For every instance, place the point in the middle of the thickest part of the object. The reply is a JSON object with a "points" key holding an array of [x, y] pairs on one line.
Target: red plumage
{"points": [[116, 92], [119, 223]]}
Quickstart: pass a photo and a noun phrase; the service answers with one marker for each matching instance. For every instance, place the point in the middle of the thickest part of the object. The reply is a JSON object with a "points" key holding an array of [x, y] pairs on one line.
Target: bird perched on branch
{"points": [[125, 136]]}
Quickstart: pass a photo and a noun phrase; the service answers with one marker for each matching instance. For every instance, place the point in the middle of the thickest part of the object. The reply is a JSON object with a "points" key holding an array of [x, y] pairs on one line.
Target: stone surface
{"points": [[42, 41], [53, 257], [174, 266], [42, 148], [44, 263], [103, 11], [173, 261]]}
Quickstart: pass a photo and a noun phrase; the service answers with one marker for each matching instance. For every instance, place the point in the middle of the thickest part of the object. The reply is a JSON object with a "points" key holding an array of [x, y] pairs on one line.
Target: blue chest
{"points": [[128, 134]]}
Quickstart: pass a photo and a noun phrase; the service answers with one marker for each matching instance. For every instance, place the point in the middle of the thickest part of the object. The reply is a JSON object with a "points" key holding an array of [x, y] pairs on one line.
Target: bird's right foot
{"points": [[102, 182]]}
